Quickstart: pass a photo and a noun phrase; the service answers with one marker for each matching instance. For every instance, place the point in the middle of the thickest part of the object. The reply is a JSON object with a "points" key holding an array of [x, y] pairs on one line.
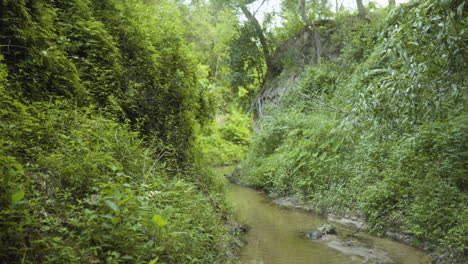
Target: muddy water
{"points": [[276, 235]]}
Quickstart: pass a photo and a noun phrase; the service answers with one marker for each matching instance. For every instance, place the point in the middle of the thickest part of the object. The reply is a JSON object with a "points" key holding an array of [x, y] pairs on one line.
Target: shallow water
{"points": [[276, 234]]}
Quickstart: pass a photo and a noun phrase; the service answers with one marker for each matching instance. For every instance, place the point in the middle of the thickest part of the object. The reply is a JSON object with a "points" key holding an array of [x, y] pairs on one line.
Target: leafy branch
{"points": [[320, 102]]}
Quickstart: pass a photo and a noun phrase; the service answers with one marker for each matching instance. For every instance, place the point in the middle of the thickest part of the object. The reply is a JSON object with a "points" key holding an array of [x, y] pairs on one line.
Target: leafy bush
{"points": [[99, 107], [119, 55], [288, 150], [78, 187], [225, 141]]}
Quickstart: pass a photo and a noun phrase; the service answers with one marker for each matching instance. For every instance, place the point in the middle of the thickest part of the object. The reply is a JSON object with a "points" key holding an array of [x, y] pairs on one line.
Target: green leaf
{"points": [[113, 167], [338, 144], [167, 213], [115, 220], [112, 205], [117, 194], [323, 156], [159, 220], [17, 196], [154, 261], [107, 225], [7, 177]]}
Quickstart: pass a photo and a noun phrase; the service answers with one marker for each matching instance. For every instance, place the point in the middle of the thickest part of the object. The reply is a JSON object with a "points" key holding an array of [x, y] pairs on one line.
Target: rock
{"points": [[320, 232], [274, 195], [361, 251], [348, 221], [407, 239], [352, 244], [291, 202], [234, 176]]}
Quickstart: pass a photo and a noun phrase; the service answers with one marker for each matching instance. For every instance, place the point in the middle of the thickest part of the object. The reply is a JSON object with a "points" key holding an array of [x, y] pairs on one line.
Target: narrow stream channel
{"points": [[276, 234]]}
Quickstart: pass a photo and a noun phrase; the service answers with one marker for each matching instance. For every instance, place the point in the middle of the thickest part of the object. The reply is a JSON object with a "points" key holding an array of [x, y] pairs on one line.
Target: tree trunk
{"points": [[318, 47], [361, 9], [315, 33], [304, 16], [391, 3], [258, 29]]}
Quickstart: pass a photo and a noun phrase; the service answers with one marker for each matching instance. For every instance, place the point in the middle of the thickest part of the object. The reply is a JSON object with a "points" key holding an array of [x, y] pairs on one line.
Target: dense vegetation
{"points": [[113, 111], [380, 128], [101, 108]]}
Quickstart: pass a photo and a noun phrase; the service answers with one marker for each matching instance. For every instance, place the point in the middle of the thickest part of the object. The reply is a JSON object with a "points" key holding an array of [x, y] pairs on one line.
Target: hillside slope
{"points": [[380, 129]]}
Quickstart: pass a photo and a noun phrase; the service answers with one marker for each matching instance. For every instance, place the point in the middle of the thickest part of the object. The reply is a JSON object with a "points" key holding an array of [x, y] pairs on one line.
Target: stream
{"points": [[276, 235]]}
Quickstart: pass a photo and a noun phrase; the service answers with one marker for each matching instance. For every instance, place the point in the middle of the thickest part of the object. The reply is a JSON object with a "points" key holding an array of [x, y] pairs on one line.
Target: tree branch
{"points": [[259, 7], [258, 29]]}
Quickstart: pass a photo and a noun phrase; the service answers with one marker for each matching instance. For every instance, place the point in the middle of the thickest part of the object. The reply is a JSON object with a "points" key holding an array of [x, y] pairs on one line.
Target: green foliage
{"points": [[226, 140], [34, 51], [246, 62], [91, 191], [223, 136], [398, 87], [93, 51], [321, 81], [288, 151], [209, 30], [381, 130], [236, 128], [100, 107], [315, 10], [127, 57], [160, 82], [421, 178]]}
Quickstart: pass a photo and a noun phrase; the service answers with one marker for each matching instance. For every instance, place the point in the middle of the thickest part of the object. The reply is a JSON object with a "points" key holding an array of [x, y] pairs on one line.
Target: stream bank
{"points": [[277, 228], [431, 253]]}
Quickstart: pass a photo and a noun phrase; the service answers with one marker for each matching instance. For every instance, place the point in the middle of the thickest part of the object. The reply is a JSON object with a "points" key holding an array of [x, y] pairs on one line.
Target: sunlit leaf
{"points": [[159, 220]]}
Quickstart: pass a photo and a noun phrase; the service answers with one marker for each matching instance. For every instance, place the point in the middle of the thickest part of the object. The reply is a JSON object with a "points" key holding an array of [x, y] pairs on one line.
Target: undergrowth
{"points": [[77, 187]]}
